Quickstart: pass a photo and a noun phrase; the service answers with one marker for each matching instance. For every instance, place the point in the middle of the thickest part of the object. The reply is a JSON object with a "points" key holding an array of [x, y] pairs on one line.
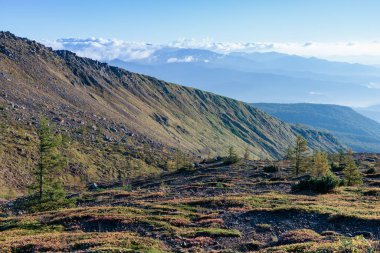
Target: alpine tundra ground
{"points": [[215, 208]]}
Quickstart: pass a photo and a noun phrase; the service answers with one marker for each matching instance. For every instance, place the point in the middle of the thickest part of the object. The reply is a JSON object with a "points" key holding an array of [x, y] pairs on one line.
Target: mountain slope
{"points": [[352, 128], [372, 112], [99, 105]]}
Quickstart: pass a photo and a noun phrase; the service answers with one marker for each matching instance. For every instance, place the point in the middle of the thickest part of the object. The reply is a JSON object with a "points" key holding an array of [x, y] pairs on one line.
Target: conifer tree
{"points": [[342, 158], [247, 153], [232, 156], [178, 159], [181, 160], [47, 188], [351, 172], [289, 153], [320, 165], [377, 165], [299, 155]]}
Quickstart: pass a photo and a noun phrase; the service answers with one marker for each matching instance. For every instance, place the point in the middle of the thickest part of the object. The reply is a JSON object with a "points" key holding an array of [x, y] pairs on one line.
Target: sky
{"points": [[326, 23]]}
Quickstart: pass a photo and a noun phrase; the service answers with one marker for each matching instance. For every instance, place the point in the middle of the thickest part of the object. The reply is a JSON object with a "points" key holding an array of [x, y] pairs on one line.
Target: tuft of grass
{"points": [[341, 245], [263, 227], [298, 236], [213, 232]]}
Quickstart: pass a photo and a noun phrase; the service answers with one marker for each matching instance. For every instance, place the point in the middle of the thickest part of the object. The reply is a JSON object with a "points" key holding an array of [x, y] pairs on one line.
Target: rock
{"points": [[14, 106], [73, 195], [58, 120], [113, 129], [93, 187], [107, 138]]}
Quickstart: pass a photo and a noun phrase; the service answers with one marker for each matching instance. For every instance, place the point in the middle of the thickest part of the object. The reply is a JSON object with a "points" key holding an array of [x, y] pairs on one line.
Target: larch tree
{"points": [[247, 153], [320, 164], [342, 158], [289, 153], [299, 155], [48, 189], [377, 165], [232, 156], [351, 171]]}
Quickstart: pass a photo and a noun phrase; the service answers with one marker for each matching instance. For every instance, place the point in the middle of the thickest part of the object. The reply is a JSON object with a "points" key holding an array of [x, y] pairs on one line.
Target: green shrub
{"points": [[322, 184], [231, 158], [186, 168], [271, 169], [371, 171], [337, 168]]}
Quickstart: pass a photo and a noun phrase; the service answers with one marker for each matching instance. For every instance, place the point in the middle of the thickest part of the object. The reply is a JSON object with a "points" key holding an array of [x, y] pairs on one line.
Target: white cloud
{"points": [[373, 85], [316, 93], [185, 59], [108, 49], [104, 49]]}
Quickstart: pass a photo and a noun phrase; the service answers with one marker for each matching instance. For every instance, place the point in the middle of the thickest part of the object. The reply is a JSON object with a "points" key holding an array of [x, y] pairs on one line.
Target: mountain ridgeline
{"points": [[109, 114], [351, 128], [255, 76]]}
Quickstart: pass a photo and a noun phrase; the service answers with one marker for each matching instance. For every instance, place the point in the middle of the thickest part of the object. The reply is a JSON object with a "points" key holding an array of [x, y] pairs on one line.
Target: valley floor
{"points": [[216, 208]]}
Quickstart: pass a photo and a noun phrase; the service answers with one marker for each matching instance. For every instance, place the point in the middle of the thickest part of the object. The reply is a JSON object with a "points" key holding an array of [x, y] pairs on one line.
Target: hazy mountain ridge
{"points": [[372, 112], [254, 77], [352, 128]]}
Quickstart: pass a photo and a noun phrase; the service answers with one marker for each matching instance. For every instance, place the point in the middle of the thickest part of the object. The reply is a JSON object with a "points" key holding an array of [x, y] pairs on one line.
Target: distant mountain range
{"points": [[263, 77], [352, 128]]}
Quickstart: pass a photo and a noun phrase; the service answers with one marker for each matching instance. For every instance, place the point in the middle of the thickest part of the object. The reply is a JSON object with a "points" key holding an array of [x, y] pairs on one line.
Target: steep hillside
{"points": [[110, 115], [352, 128]]}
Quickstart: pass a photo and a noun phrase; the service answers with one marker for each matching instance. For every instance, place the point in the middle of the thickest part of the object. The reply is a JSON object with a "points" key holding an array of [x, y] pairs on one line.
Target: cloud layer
{"points": [[109, 49], [104, 49]]}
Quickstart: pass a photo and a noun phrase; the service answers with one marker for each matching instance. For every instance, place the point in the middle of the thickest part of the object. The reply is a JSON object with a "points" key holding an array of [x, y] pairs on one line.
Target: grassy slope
{"points": [[109, 113], [352, 128]]}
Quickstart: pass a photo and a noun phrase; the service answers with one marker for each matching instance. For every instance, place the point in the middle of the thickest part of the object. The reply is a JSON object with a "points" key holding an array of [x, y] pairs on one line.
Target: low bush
{"points": [[187, 168], [271, 169], [371, 171], [337, 168], [322, 184], [299, 236], [230, 160]]}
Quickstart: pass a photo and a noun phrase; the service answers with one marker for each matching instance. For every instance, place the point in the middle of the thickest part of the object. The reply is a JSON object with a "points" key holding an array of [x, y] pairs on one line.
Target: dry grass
{"points": [[79, 241]]}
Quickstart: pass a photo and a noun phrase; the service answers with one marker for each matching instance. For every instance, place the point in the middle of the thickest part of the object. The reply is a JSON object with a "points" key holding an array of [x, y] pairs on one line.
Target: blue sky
{"points": [[160, 21]]}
